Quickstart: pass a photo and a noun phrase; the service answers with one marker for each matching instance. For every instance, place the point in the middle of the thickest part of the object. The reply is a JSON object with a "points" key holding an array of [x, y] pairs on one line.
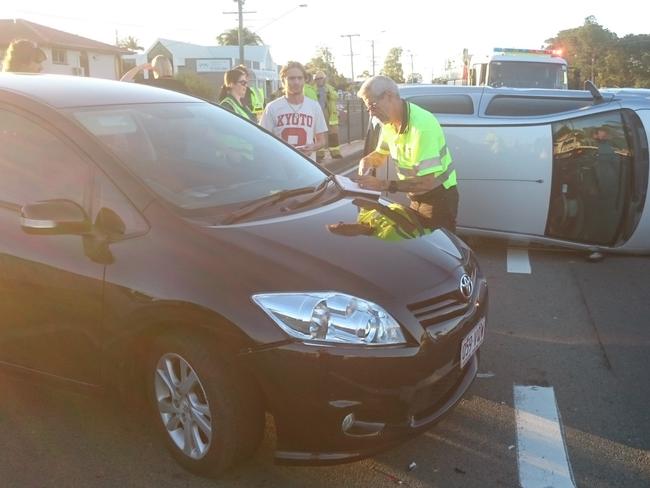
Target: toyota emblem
{"points": [[466, 286]]}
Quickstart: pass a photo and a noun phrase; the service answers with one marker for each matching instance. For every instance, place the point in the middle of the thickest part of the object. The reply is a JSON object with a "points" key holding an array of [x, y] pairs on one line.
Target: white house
{"points": [[211, 62], [67, 54]]}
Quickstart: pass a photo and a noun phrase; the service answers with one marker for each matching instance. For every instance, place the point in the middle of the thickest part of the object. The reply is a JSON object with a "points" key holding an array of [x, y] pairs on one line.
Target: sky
{"points": [[428, 32]]}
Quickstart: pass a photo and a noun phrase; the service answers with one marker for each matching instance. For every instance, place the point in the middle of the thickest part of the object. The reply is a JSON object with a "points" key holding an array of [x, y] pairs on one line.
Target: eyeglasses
{"points": [[373, 105], [242, 82]]}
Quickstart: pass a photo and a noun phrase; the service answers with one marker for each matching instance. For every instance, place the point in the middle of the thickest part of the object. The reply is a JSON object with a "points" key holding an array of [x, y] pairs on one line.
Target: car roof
{"points": [[61, 91]]}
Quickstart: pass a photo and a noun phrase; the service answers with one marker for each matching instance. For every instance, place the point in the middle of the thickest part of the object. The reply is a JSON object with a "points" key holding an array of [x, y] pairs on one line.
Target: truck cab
{"points": [[519, 68]]}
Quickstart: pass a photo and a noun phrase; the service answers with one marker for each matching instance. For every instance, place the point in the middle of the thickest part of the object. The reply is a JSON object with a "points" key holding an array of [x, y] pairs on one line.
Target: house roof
{"points": [[183, 50], [11, 29]]}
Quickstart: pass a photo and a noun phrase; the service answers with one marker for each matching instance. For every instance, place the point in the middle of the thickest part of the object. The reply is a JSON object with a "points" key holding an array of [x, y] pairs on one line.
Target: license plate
{"points": [[471, 342]]}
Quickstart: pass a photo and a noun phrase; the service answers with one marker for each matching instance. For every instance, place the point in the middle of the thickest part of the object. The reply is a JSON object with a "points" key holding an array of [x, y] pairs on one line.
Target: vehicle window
{"points": [[521, 74], [445, 104], [36, 165], [197, 156], [592, 171], [107, 196], [526, 106]]}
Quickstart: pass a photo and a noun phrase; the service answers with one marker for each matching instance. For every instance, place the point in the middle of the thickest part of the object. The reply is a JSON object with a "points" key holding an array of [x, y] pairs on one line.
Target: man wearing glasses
{"points": [[294, 118], [414, 139]]}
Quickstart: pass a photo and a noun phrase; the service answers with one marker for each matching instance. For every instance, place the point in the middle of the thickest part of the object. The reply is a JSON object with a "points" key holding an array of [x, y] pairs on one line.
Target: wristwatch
{"points": [[392, 186]]}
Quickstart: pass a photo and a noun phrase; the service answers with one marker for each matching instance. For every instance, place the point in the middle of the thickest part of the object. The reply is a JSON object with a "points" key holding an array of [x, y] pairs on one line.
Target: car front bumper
{"points": [[339, 404]]}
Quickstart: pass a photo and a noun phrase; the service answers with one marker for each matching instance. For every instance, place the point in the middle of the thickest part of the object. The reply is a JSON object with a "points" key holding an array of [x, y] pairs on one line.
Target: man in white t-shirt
{"points": [[294, 118]]}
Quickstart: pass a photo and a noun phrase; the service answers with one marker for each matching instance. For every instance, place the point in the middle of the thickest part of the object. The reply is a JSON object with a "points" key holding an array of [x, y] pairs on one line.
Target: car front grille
{"points": [[438, 309], [443, 307]]}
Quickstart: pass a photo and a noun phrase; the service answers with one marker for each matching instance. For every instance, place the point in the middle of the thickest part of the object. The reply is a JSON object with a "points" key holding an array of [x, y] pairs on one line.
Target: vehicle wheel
{"points": [[209, 416]]}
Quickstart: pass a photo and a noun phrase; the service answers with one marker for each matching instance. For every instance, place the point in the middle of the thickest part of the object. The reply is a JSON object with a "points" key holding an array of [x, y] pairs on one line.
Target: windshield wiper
{"points": [[318, 191], [269, 200]]}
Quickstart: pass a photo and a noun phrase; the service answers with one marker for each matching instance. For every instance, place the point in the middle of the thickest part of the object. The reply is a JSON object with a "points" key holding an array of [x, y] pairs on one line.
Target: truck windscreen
{"points": [[520, 74]]}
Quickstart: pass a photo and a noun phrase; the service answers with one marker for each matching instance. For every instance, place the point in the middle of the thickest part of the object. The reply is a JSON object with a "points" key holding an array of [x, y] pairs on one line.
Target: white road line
{"points": [[518, 261], [541, 451]]}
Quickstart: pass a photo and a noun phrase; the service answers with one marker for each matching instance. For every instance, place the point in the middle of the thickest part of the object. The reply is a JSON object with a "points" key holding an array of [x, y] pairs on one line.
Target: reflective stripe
{"points": [[428, 164], [412, 172]]}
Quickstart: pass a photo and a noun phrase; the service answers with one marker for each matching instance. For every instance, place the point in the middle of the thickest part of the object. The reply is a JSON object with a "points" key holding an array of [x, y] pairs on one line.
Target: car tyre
{"points": [[209, 419]]}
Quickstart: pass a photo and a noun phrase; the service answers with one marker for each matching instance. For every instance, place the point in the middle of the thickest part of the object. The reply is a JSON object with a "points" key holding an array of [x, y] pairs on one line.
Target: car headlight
{"points": [[331, 317]]}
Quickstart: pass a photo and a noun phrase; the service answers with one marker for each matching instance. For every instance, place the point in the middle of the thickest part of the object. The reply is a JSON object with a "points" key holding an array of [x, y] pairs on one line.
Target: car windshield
{"points": [[197, 156], [527, 74]]}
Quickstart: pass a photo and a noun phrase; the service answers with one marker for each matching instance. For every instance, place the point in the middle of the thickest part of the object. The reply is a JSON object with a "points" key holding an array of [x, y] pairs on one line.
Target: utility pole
{"points": [[350, 36], [372, 47], [240, 34]]}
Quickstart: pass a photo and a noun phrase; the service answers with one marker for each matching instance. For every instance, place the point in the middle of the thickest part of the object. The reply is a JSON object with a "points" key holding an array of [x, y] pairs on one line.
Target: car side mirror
{"points": [[109, 223], [54, 217]]}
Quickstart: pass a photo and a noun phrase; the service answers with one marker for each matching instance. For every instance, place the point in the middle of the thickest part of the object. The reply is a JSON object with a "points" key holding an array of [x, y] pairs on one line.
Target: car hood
{"points": [[301, 252]]}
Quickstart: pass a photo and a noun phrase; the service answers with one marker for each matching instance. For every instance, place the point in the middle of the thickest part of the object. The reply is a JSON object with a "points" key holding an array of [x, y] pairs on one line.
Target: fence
{"points": [[353, 119]]}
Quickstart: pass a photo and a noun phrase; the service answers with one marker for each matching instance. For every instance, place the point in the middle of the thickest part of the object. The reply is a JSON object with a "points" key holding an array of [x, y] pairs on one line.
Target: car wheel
{"points": [[208, 418]]}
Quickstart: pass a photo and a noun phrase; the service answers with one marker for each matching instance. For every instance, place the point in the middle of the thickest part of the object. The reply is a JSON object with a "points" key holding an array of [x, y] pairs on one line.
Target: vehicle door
{"points": [[50, 289]]}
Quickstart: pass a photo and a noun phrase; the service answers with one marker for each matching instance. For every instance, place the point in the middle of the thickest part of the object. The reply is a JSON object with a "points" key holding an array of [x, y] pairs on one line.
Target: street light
{"points": [[302, 5]]}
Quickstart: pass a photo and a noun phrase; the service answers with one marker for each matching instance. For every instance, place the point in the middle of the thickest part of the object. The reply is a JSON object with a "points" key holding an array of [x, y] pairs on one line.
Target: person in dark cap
{"points": [[23, 56]]}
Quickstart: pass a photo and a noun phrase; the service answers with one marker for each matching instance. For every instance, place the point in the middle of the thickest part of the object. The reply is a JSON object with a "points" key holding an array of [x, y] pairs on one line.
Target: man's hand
{"points": [[372, 160], [307, 149], [372, 183]]}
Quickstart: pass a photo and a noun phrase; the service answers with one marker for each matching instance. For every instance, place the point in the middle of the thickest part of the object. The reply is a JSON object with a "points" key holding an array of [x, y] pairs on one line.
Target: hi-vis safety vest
{"points": [[257, 99], [236, 107], [311, 91], [420, 149]]}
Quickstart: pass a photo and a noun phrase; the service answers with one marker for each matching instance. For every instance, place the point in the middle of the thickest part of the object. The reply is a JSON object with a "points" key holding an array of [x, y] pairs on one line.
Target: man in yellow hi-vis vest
{"points": [[414, 139], [326, 96]]}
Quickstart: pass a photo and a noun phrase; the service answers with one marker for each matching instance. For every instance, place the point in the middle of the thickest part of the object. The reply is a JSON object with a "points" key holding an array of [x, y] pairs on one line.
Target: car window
{"points": [[36, 165], [106, 195], [445, 104], [517, 106], [197, 156], [591, 178]]}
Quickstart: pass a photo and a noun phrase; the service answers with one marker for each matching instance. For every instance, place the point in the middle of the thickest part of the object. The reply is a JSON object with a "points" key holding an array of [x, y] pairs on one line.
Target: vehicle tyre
{"points": [[209, 416]]}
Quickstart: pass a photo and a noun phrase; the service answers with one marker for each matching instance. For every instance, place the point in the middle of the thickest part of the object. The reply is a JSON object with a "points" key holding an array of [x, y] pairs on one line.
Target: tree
{"points": [[586, 49], [231, 38], [414, 78], [594, 53], [198, 86], [635, 51], [324, 61], [392, 66], [130, 43]]}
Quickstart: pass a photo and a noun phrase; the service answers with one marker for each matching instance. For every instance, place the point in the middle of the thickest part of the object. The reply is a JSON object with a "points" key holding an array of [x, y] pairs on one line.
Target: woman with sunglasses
{"points": [[232, 93]]}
